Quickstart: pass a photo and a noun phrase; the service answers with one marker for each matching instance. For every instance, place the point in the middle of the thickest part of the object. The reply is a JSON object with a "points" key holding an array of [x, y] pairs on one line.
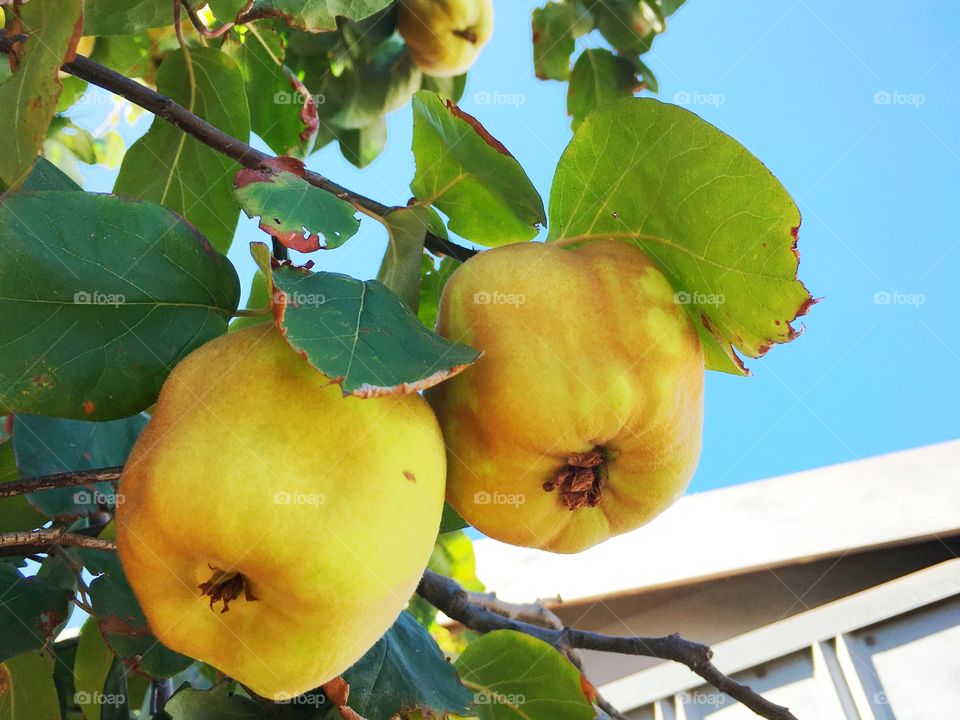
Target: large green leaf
{"points": [[44, 446], [122, 622], [169, 167], [29, 97], [99, 298], [123, 17], [599, 77], [27, 690], [358, 333], [318, 15], [517, 677], [715, 220], [288, 205], [405, 670], [32, 611], [470, 176]]}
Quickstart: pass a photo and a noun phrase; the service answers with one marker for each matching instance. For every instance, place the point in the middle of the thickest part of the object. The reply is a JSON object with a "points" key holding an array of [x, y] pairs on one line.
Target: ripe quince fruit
{"points": [[445, 36], [270, 526], [583, 417]]}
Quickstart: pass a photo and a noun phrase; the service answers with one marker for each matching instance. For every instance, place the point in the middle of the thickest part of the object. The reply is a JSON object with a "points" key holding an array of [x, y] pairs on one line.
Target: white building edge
{"points": [[834, 591]]}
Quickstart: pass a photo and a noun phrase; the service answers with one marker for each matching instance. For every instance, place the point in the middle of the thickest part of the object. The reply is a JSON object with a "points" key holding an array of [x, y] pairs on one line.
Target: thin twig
{"points": [[174, 113], [447, 596], [59, 480], [44, 541]]}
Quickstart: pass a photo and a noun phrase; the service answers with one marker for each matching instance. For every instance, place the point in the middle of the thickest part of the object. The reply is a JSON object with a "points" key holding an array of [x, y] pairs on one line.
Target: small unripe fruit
{"points": [[445, 37]]}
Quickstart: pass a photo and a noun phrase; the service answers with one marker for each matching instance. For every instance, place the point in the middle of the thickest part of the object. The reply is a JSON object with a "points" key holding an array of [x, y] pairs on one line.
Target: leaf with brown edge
{"points": [[713, 218], [357, 332], [28, 98], [470, 176], [337, 691], [292, 210]]}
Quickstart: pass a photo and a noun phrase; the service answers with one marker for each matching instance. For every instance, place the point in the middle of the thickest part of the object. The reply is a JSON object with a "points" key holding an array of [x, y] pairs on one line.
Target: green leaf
{"points": [[718, 224], [363, 145], [405, 670], [258, 299], [99, 298], [317, 15], [27, 690], [227, 10], [433, 278], [16, 513], [32, 611], [123, 17], [555, 28], [128, 54], [91, 667], [630, 26], [122, 622], [287, 205], [282, 112], [400, 269], [44, 446], [358, 333], [178, 171], [218, 703], [47, 176], [29, 97], [517, 676], [451, 521], [469, 176], [599, 77]]}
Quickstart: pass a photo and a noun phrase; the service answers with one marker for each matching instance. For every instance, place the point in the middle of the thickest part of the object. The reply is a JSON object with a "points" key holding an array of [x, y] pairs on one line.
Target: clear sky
{"points": [[854, 106]]}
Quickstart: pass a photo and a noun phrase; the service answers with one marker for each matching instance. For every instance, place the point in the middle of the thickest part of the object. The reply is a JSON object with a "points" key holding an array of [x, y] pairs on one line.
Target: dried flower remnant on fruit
{"points": [[226, 586], [580, 481]]}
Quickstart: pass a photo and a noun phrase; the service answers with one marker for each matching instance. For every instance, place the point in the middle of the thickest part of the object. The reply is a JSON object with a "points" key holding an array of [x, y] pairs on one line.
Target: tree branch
{"points": [[174, 113], [59, 480], [45, 540], [447, 596]]}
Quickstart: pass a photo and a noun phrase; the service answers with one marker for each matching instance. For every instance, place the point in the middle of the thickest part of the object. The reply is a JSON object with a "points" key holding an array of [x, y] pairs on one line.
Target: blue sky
{"points": [[854, 107]]}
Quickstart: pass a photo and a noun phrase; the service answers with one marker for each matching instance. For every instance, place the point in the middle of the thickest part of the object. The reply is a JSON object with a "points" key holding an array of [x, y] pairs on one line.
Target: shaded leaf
{"points": [[599, 77], [29, 97], [122, 622], [99, 298], [718, 224], [405, 670], [555, 28], [287, 205], [168, 167], [400, 269], [218, 703], [470, 176], [515, 676], [123, 17], [628, 25], [433, 278], [45, 445], [318, 15], [33, 611], [358, 333], [451, 521], [47, 176], [363, 145], [91, 668], [258, 299], [16, 513], [27, 690]]}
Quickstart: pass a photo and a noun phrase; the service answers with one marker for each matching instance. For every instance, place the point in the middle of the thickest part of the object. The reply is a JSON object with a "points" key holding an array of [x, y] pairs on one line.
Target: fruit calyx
{"points": [[469, 34], [580, 481], [225, 586]]}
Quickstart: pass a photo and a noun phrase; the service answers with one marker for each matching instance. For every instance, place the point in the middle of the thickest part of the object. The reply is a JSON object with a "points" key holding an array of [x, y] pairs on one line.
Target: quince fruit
{"points": [[583, 417], [270, 526], [445, 36]]}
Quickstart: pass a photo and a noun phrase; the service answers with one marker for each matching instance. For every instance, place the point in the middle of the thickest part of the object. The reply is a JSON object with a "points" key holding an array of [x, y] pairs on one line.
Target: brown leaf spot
{"points": [[113, 625], [89, 407], [4, 680]]}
